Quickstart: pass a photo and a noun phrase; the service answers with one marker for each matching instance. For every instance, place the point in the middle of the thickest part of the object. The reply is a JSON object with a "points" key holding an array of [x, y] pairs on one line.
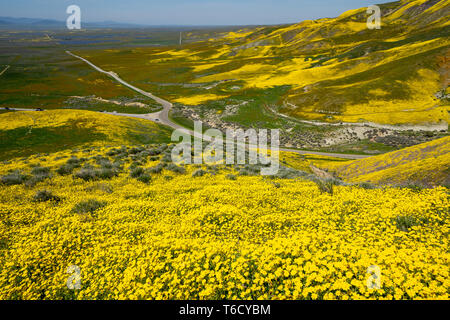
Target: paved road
{"points": [[163, 115]]}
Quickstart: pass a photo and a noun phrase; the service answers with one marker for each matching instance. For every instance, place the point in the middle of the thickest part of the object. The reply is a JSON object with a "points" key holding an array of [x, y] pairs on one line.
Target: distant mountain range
{"points": [[48, 24], [32, 23]]}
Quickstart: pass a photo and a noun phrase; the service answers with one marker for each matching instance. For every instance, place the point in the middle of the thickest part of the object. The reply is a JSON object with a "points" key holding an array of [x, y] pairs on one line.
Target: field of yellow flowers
{"points": [[215, 235], [426, 164]]}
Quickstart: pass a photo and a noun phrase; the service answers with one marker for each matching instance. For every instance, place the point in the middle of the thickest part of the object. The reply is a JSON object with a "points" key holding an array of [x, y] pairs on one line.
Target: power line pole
{"points": [[181, 39]]}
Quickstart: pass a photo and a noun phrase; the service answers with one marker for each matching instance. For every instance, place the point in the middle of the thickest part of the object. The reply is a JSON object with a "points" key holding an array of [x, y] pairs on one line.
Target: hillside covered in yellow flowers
{"points": [[140, 227], [427, 164]]}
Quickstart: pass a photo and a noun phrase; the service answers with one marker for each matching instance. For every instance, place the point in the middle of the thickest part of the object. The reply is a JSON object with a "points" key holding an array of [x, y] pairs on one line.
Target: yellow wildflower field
{"points": [[425, 164], [211, 237]]}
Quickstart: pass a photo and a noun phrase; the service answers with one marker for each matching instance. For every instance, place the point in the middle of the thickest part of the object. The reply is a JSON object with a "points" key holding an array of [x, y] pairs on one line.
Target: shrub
{"points": [[199, 173], [166, 158], [40, 171], [120, 152], [231, 177], [89, 206], [39, 174], [86, 174], [367, 185], [136, 172], [174, 168], [105, 173], [136, 150], [414, 187], [105, 163], [100, 186], [145, 178], [154, 152], [14, 178], [74, 161], [117, 165], [404, 223], [326, 186], [65, 169], [157, 169], [44, 196]]}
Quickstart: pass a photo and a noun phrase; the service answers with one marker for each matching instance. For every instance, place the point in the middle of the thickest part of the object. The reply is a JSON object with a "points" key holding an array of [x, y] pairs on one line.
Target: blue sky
{"points": [[185, 12]]}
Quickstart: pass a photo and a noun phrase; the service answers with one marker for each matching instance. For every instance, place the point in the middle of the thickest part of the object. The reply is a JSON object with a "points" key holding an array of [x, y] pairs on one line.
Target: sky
{"points": [[185, 12]]}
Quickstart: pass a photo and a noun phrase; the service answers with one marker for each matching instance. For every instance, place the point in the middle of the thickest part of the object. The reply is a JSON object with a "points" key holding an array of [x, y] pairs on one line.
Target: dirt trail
{"points": [[4, 70]]}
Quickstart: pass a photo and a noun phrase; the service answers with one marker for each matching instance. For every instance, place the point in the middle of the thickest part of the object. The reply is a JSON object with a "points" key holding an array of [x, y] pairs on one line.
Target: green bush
{"points": [[44, 196], [367, 185], [90, 174], [157, 169], [87, 174], [145, 178], [326, 186], [39, 174], [105, 173], [137, 172], [65, 169], [14, 178], [404, 223], [89, 206], [74, 161], [166, 158], [176, 169], [414, 187], [199, 173], [104, 163]]}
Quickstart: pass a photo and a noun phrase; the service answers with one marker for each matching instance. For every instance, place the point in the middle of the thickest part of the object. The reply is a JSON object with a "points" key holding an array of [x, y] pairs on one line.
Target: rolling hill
{"points": [[427, 164]]}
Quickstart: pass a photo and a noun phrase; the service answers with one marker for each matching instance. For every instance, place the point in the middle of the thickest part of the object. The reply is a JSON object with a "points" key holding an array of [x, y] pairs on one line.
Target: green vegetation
{"points": [[88, 206], [29, 132]]}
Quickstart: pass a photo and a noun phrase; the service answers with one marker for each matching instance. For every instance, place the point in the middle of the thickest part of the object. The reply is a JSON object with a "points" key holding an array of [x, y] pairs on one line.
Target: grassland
{"points": [[43, 76], [27, 133]]}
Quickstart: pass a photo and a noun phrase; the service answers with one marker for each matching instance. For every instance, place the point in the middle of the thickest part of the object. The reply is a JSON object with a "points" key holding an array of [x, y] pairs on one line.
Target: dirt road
{"points": [[4, 70]]}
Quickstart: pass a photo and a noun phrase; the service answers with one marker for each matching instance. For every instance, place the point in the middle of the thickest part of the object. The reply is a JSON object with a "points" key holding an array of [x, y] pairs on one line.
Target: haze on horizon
{"points": [[182, 12]]}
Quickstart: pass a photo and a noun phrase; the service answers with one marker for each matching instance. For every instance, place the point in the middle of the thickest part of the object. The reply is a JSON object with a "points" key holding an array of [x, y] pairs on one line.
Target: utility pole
{"points": [[181, 39]]}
